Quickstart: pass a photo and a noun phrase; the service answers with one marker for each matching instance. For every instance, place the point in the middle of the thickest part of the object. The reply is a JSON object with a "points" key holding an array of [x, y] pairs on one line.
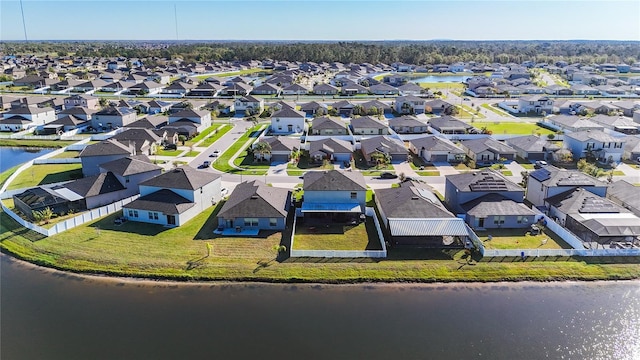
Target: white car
{"points": [[224, 192]]}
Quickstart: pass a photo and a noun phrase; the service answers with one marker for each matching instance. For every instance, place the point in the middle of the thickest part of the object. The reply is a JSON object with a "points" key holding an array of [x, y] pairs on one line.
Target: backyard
{"points": [[46, 174], [336, 236], [521, 239]]}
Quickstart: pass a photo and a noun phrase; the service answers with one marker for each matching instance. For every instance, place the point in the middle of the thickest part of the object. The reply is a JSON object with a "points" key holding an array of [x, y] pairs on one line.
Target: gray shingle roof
{"points": [[106, 147], [183, 177], [334, 180], [282, 143], [330, 146], [596, 135], [255, 199], [95, 185], [383, 144], [489, 179], [366, 122], [287, 112], [164, 201], [495, 146], [325, 122], [129, 166], [495, 204], [434, 143], [411, 202]]}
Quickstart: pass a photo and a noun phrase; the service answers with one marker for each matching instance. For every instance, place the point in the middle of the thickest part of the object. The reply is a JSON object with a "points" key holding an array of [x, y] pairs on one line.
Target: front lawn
{"points": [[213, 138], [35, 143], [203, 134], [162, 152], [192, 154], [222, 162], [332, 236], [46, 174]]}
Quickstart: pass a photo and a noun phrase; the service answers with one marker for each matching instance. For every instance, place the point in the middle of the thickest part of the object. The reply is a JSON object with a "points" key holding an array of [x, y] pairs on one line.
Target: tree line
{"points": [[411, 52]]}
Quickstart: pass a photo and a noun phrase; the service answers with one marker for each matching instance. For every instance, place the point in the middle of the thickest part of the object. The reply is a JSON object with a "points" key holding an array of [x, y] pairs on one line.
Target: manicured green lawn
{"points": [[442, 85], [192, 154], [467, 112], [136, 249], [46, 174], [527, 166], [35, 143], [5, 174], [506, 172], [222, 162], [618, 173], [67, 155], [519, 239], [337, 237], [519, 128], [494, 109], [213, 138], [162, 152], [203, 134], [428, 173], [304, 165]]}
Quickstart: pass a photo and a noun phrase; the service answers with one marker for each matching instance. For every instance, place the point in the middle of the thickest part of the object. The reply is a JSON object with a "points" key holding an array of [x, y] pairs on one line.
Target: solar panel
{"points": [[595, 205], [540, 174], [488, 183]]}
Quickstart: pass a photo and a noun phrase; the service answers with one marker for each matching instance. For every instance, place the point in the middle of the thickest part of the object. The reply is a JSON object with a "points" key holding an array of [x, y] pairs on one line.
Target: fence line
{"points": [[343, 253], [57, 161], [564, 234], [475, 240], [78, 220]]}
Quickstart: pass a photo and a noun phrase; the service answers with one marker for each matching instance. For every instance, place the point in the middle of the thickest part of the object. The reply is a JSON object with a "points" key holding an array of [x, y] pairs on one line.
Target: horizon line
{"points": [[310, 40]]}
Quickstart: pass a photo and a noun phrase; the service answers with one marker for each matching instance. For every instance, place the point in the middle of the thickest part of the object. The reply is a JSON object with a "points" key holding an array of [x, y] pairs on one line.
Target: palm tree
{"points": [[261, 148]]}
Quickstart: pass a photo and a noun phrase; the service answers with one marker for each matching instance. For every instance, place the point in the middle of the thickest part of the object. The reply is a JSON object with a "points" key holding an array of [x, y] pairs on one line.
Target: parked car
{"points": [[224, 192], [205, 165], [388, 175], [539, 164], [171, 147]]}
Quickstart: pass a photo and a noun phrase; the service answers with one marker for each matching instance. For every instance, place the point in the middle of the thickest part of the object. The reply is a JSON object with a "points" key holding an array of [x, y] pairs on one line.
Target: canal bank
{"points": [[54, 315]]}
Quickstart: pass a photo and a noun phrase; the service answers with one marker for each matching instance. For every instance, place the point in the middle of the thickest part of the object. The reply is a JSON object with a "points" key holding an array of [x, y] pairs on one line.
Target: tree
{"points": [[103, 102], [525, 178], [260, 149], [381, 159], [43, 216], [182, 139]]}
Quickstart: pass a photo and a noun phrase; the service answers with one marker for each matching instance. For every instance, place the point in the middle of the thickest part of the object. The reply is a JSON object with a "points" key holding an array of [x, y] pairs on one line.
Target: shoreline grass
{"points": [[35, 143], [180, 254], [46, 174]]}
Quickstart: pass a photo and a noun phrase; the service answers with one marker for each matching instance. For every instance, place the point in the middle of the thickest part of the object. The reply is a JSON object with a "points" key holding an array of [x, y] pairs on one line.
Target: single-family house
{"points": [[437, 107], [144, 141], [267, 89], [237, 89], [287, 121], [625, 194], [450, 125], [537, 104], [295, 89], [366, 125], [252, 104], [174, 197], [413, 215], [487, 150], [20, 118], [383, 89], [314, 108], [325, 89], [488, 200], [532, 147], [328, 126], [333, 192], [549, 181], [596, 144], [200, 118], [631, 148], [131, 171], [596, 220], [376, 107], [334, 150], [113, 117], [434, 149], [409, 104], [390, 147], [92, 156], [408, 124], [254, 206], [410, 89], [83, 100], [280, 148]]}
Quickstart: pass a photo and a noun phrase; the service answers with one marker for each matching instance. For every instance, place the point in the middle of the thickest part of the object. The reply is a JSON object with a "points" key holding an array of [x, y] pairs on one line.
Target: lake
{"points": [[12, 156], [446, 78], [54, 315]]}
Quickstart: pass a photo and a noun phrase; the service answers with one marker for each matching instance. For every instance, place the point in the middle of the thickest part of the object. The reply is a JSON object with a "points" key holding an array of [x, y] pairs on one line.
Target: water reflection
{"points": [[53, 315]]}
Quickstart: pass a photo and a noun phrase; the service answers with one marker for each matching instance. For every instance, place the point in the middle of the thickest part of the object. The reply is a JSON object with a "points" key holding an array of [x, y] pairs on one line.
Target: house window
{"points": [[250, 222], [590, 146], [135, 213], [273, 222], [521, 219], [150, 215], [126, 180], [498, 220], [354, 195], [130, 213]]}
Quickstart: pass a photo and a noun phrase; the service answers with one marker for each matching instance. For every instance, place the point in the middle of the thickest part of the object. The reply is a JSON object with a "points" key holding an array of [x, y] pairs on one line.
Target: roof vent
{"points": [[415, 198], [254, 197]]}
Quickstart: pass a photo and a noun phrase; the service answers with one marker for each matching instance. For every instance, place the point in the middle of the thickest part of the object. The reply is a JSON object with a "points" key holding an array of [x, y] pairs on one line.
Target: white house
{"points": [[202, 119], [253, 104], [535, 104], [287, 121], [602, 146], [174, 197], [24, 117]]}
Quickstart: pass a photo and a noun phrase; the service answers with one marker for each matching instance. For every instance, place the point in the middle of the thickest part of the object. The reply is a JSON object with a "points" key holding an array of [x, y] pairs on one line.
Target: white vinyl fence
{"points": [[82, 218], [369, 211]]}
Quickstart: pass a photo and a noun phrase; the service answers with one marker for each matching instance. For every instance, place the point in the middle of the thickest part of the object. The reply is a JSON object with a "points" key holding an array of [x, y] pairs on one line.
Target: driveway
{"points": [[278, 169], [516, 169], [445, 168]]}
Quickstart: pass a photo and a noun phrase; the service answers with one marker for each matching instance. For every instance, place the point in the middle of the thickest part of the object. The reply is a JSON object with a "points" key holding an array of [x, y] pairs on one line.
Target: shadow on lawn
{"points": [[132, 227], [10, 226], [62, 176]]}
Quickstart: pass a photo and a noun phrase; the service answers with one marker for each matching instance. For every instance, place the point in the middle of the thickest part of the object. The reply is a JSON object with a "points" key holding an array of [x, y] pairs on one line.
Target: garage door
{"points": [[536, 156], [439, 158], [279, 158]]}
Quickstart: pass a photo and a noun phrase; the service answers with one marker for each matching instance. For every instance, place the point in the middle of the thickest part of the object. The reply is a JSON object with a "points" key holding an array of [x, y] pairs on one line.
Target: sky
{"points": [[320, 20]]}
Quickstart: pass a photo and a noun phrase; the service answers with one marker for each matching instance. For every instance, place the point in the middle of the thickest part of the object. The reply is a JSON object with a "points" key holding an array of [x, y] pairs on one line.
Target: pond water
{"points": [[12, 156], [446, 78], [53, 315]]}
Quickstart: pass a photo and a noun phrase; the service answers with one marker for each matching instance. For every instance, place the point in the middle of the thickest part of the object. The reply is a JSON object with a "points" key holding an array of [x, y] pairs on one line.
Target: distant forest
{"points": [[412, 52]]}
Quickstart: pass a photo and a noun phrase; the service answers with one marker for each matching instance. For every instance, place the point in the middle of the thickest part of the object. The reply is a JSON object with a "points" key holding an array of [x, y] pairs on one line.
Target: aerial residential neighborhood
{"points": [[340, 160]]}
